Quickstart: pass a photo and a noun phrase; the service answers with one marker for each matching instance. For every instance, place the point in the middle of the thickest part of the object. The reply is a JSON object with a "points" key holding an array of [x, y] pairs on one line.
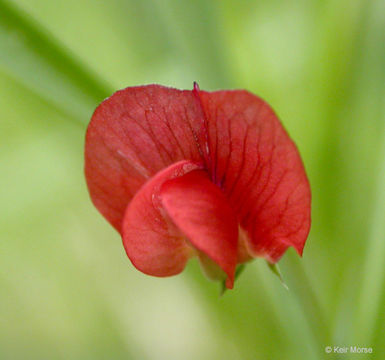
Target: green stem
{"points": [[374, 266], [311, 307]]}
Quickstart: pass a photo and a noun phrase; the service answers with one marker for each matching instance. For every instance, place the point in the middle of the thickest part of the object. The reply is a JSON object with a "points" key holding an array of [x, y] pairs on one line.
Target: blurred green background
{"points": [[67, 289]]}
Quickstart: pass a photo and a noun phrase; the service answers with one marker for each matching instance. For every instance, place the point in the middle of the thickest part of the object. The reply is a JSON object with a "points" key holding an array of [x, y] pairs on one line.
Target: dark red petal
{"points": [[201, 211], [134, 134], [152, 242], [259, 169]]}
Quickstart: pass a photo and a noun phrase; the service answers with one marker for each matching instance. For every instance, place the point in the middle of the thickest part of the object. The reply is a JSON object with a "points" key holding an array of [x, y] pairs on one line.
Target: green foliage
{"points": [[68, 290]]}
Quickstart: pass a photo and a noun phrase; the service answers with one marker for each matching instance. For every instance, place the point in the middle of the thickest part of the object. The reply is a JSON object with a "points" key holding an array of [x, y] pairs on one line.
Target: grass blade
{"points": [[34, 58]]}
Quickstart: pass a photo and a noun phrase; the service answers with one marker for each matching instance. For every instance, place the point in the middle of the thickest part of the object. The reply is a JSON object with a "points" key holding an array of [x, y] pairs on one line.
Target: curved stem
{"points": [[311, 307]]}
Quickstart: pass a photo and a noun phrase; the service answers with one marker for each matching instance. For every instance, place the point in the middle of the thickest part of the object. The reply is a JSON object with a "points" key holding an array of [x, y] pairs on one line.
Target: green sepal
{"points": [[275, 269], [238, 272]]}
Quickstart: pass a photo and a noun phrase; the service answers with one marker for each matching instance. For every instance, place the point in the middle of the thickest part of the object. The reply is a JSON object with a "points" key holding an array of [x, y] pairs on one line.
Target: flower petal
{"points": [[153, 243], [259, 169], [203, 214], [134, 134]]}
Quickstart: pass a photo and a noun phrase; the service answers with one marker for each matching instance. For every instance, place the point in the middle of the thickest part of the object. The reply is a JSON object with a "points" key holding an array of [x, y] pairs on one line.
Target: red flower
{"points": [[195, 173]]}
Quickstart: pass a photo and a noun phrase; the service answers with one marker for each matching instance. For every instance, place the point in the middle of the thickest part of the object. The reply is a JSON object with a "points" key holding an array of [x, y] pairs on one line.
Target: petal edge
{"points": [[201, 211], [152, 242]]}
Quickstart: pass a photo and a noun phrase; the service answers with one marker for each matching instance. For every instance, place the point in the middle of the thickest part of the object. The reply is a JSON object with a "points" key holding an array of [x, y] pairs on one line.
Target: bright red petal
{"points": [[258, 167], [152, 242], [202, 212], [134, 134]]}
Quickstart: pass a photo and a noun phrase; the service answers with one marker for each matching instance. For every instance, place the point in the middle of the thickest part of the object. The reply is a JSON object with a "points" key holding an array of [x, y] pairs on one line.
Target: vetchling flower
{"points": [[181, 174]]}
